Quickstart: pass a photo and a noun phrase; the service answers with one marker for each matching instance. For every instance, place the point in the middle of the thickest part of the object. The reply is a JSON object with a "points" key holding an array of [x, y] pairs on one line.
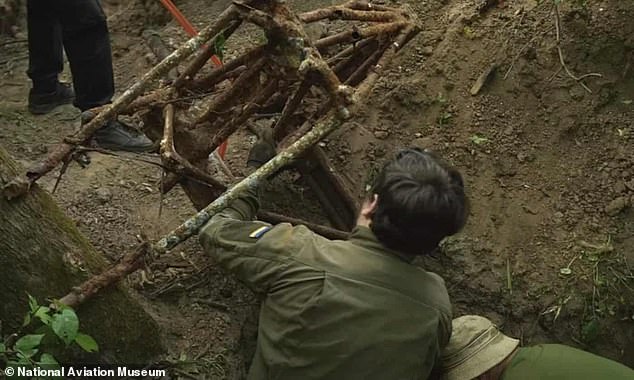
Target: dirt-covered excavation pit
{"points": [[533, 104]]}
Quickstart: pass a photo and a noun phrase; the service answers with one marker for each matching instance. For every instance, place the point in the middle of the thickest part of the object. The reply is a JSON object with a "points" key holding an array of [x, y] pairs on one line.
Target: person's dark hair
{"points": [[421, 200]]}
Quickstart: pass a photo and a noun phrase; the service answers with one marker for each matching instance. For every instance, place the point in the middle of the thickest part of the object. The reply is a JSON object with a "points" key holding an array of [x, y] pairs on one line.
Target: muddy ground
{"points": [[549, 167]]}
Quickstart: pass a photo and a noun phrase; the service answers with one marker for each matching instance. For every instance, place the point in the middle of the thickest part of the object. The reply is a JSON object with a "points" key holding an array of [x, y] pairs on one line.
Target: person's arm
{"points": [[445, 317], [444, 329], [255, 252]]}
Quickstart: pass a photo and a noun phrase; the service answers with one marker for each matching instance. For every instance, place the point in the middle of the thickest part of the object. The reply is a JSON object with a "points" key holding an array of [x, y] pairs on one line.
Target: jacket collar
{"points": [[364, 237]]}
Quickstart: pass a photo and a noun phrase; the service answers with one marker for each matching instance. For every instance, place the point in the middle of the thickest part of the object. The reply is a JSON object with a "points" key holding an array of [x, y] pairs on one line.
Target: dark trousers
{"points": [[79, 27]]}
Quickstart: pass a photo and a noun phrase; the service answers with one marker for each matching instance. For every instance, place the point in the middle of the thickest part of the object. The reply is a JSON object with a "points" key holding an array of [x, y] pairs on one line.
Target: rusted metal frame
{"points": [[157, 98], [364, 5], [220, 73], [170, 180], [198, 86], [360, 34], [317, 154], [325, 231], [345, 67], [244, 81], [227, 129], [175, 162], [293, 136], [160, 51], [192, 226], [209, 50], [339, 93], [255, 16], [290, 107], [129, 263], [282, 23], [224, 131], [203, 57], [335, 192], [20, 185], [341, 12], [349, 52], [328, 187], [361, 71], [325, 200]]}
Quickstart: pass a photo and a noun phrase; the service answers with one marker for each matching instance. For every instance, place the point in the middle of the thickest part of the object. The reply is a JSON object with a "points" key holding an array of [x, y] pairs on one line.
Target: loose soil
{"points": [[549, 168]]}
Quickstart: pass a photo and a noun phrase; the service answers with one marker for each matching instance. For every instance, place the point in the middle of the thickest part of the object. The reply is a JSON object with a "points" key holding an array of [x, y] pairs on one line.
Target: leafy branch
{"points": [[49, 328]]}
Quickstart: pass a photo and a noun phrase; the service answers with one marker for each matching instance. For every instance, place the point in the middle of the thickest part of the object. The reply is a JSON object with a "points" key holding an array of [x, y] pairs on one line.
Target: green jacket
{"points": [[339, 310], [559, 362]]}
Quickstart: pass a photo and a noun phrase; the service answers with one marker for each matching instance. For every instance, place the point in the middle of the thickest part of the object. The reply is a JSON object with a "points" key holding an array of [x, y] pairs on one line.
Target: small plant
{"points": [[219, 46], [444, 118], [479, 140], [440, 99], [469, 33], [52, 328]]}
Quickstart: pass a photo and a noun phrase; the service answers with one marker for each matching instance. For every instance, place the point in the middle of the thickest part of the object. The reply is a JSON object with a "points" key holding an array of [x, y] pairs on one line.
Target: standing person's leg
{"points": [[46, 59], [87, 45]]}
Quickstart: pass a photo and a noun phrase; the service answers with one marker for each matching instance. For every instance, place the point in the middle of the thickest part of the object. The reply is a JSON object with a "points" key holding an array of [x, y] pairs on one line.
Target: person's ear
{"points": [[369, 206]]}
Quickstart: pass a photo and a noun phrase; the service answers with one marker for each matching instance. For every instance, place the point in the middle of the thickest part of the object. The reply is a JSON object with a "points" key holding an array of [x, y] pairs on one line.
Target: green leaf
{"points": [[42, 314], [478, 140], [43, 329], [3, 348], [219, 46], [48, 361], [86, 342], [33, 304], [590, 331], [27, 320], [28, 344], [23, 360], [65, 325], [565, 271]]}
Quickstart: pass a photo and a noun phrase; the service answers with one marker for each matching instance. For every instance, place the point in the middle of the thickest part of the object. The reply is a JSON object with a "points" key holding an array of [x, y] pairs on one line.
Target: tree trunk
{"points": [[42, 253]]}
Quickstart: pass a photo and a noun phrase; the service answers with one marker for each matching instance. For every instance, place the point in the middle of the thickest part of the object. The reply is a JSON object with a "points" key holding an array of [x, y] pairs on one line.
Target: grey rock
{"points": [[619, 187], [103, 195], [381, 135]]}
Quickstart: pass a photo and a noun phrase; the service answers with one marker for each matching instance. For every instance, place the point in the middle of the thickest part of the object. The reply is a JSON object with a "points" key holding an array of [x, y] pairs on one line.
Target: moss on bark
{"points": [[42, 253]]}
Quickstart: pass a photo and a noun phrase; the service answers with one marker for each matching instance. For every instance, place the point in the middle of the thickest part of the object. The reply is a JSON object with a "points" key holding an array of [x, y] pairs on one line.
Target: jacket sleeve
{"points": [[255, 252], [444, 329]]}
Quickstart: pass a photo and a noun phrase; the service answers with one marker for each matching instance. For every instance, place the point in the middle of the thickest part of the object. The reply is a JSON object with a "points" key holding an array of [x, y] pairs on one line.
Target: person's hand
{"points": [[263, 149]]}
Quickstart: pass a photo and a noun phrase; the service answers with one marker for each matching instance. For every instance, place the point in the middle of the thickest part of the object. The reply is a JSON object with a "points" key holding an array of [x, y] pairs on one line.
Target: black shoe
{"points": [[118, 136], [40, 104]]}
